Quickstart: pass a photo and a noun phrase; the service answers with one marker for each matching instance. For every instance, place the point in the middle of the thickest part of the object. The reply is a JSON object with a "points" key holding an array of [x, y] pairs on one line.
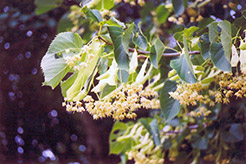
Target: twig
{"points": [[180, 131], [147, 52]]}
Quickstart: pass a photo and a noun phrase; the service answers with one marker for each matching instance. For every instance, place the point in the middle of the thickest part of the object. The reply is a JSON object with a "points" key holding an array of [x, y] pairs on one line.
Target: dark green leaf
{"points": [[106, 90], [226, 37], [169, 106], [153, 129], [162, 13], [140, 40], [65, 85], [155, 132], [201, 143], [218, 57], [189, 31], [123, 76], [204, 46], [116, 147], [115, 22], [127, 36], [64, 24], [92, 14], [240, 22], [179, 36], [203, 24], [156, 52], [119, 51], [44, 6], [235, 134], [183, 69], [178, 7], [213, 32]]}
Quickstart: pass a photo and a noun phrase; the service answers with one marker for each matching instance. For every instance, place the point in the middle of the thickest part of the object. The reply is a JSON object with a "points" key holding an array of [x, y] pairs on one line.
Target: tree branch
{"points": [[147, 52]]}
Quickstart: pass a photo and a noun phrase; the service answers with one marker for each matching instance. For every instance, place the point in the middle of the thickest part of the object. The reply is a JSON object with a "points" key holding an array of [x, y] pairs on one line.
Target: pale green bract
{"points": [[53, 65]]}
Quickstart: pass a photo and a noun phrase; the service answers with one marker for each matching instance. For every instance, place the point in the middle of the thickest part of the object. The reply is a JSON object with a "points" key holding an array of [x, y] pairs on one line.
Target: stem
{"points": [[180, 131], [147, 52]]}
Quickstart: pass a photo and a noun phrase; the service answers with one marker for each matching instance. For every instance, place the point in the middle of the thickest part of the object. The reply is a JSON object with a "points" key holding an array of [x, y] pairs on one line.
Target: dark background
{"points": [[34, 127]]}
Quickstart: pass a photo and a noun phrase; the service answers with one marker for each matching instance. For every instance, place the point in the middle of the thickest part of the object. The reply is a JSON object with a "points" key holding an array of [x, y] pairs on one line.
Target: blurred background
{"points": [[34, 127]]}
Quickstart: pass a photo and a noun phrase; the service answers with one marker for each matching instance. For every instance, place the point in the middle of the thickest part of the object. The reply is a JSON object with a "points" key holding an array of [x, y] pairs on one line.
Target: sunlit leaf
{"points": [[55, 69]]}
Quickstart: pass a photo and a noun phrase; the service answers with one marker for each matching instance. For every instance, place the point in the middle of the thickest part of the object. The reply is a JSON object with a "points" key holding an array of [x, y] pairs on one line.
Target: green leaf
{"points": [[116, 147], [153, 129], [123, 76], [162, 13], [73, 93], [43, 6], [115, 22], [127, 36], [189, 31], [65, 23], [235, 134], [178, 7], [105, 4], [140, 40], [155, 132], [121, 56], [93, 14], [169, 106], [107, 90], [183, 69], [204, 46], [55, 69], [213, 32], [183, 65], [65, 85], [156, 52], [204, 23], [218, 57], [200, 143], [226, 37]]}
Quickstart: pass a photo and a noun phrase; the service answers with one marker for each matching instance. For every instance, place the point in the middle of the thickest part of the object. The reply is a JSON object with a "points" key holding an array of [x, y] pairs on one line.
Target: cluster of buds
{"points": [[75, 60], [201, 111], [119, 104], [108, 13], [188, 94], [230, 86], [132, 2]]}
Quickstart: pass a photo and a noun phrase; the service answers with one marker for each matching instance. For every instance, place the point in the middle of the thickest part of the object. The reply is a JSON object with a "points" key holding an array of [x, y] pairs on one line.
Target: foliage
{"points": [[198, 98]]}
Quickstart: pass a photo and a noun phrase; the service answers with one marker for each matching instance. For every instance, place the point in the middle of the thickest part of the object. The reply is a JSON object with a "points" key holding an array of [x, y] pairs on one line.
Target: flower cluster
{"points": [[230, 86], [201, 111], [132, 2], [75, 61], [119, 104], [189, 94]]}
